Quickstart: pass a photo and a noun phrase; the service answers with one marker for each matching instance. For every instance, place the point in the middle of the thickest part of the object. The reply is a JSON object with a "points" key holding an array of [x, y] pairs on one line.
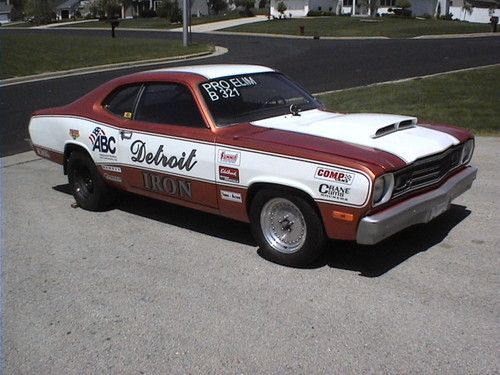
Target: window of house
{"points": [[387, 3], [168, 103], [347, 3]]}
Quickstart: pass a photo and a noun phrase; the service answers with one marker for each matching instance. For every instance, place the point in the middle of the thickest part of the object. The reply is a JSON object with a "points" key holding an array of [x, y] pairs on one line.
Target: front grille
{"points": [[426, 171]]}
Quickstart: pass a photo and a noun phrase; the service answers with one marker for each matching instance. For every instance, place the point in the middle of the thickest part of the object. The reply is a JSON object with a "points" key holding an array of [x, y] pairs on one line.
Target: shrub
{"points": [[282, 7], [319, 13]]}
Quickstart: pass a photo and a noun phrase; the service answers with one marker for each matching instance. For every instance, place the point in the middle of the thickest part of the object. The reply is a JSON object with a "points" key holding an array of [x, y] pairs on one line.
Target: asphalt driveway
{"points": [[152, 288]]}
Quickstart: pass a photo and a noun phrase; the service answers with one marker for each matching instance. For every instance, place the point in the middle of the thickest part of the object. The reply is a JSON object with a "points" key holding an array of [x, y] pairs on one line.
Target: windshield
{"points": [[252, 97]]}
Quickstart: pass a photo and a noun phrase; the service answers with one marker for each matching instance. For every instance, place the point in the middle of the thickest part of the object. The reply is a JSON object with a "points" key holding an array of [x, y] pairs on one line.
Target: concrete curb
{"points": [[102, 68]]}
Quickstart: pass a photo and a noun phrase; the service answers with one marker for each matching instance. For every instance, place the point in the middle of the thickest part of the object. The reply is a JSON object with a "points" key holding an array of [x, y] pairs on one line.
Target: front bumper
{"points": [[417, 210]]}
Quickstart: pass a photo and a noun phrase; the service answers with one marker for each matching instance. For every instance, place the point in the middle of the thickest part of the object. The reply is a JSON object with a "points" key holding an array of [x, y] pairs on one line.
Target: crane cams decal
{"points": [[334, 175], [102, 143], [334, 192]]}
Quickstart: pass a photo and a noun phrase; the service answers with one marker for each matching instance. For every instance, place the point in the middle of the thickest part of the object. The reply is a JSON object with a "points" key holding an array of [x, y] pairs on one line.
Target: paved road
{"points": [[149, 288], [319, 65]]}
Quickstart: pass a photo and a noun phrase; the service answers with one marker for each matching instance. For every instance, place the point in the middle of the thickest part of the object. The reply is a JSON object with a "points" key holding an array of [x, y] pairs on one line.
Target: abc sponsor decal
{"points": [[229, 174], [334, 175], [101, 142], [334, 192], [229, 157], [230, 196]]}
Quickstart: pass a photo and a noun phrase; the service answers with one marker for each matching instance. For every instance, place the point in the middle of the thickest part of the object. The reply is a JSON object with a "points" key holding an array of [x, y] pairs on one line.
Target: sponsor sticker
{"points": [[230, 196], [335, 192], [102, 143], [73, 133], [111, 168], [113, 178], [229, 174], [334, 175], [229, 157]]}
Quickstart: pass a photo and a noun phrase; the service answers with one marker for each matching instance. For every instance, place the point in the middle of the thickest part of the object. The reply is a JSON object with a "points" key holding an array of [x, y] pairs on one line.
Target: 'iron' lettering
{"points": [[167, 185]]}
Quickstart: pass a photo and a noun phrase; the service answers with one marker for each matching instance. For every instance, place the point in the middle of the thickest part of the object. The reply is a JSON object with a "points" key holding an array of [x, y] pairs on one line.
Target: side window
{"points": [[121, 102], [168, 103]]}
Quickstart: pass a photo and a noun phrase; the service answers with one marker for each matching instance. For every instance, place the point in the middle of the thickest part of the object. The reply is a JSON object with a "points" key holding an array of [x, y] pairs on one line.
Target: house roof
{"points": [[69, 4]]}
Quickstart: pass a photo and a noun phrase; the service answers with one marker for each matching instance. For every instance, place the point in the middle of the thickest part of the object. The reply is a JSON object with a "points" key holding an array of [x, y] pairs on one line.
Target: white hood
{"points": [[409, 143]]}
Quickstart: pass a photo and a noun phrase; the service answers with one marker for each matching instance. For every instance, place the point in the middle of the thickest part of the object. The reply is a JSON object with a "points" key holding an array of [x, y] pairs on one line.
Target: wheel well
{"points": [[68, 150], [253, 189]]}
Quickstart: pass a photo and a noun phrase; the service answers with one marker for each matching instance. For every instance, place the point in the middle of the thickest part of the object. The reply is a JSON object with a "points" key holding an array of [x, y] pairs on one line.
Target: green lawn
{"points": [[355, 27], [467, 99], [33, 54]]}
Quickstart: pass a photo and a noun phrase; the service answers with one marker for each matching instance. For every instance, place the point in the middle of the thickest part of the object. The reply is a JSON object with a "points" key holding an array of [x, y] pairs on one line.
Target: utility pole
{"points": [[185, 20]]}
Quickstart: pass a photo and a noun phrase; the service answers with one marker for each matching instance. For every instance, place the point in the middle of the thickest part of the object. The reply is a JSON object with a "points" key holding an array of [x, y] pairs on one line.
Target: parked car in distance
{"points": [[245, 142]]}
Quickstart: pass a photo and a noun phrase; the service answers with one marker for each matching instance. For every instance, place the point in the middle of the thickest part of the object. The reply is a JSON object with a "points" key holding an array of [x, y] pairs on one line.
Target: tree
{"points": [[282, 7], [404, 5], [247, 5], [374, 5], [165, 9], [106, 8], [467, 8], [39, 11], [217, 6]]}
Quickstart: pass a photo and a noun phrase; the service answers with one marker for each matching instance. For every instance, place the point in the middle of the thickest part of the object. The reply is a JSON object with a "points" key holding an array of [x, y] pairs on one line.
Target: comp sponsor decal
{"points": [[334, 175], [231, 196], [229, 157], [229, 174], [167, 185]]}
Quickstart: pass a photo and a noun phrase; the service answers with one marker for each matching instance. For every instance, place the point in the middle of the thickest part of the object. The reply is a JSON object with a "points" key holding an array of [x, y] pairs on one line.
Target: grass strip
{"points": [[23, 55], [468, 99], [357, 27]]}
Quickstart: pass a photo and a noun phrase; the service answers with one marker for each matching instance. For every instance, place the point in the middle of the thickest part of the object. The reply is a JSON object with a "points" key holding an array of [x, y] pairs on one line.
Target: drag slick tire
{"points": [[87, 185], [286, 227]]}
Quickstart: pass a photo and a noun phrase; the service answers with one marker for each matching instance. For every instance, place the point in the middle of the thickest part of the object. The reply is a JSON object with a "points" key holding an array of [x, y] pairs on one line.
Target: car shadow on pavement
{"points": [[198, 221], [369, 261], [376, 260]]}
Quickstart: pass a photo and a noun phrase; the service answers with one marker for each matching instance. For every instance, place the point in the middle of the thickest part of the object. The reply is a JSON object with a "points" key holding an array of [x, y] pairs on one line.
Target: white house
{"points": [[5, 11], [300, 8]]}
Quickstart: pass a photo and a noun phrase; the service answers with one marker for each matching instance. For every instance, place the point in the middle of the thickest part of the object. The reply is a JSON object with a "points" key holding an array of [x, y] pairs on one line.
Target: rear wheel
{"points": [[287, 228], [87, 185]]}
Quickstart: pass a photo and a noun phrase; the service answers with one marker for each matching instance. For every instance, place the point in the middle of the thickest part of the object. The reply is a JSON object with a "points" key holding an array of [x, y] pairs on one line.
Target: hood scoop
{"points": [[405, 124]]}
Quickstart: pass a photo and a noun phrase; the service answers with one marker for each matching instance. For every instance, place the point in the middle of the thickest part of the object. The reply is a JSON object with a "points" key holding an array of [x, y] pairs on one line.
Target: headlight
{"points": [[467, 151], [382, 189]]}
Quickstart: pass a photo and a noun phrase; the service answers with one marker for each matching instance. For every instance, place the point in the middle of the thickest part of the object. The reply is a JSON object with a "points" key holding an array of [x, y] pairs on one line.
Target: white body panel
{"points": [[219, 164], [219, 70], [408, 144]]}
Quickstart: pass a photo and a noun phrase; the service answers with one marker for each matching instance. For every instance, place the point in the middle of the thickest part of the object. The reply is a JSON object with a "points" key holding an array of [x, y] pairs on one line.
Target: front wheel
{"points": [[87, 185], [286, 227]]}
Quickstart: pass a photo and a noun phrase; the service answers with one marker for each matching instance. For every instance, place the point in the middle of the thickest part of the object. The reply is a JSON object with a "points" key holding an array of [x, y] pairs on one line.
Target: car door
{"points": [[165, 148]]}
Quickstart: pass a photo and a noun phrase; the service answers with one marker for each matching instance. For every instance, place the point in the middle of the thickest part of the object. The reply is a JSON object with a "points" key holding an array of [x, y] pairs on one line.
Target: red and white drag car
{"points": [[245, 142]]}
